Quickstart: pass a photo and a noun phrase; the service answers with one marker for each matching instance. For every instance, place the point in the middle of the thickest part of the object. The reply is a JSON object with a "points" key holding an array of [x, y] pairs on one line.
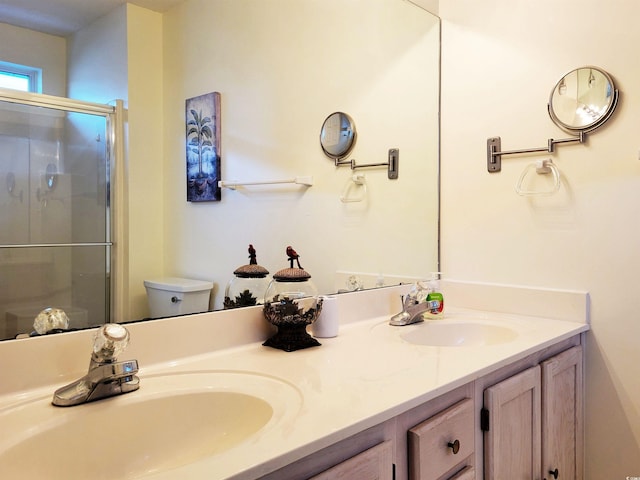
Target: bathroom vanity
{"points": [[494, 423], [374, 402]]}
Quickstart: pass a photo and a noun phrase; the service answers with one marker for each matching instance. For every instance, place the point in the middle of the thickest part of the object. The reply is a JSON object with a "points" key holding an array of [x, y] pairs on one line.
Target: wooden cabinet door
{"points": [[375, 463], [512, 433], [562, 421]]}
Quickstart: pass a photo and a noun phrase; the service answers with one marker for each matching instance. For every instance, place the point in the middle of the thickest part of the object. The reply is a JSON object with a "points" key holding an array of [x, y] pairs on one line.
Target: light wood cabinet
{"points": [[513, 430], [368, 455], [373, 464], [467, 473], [533, 424], [562, 413], [442, 445]]}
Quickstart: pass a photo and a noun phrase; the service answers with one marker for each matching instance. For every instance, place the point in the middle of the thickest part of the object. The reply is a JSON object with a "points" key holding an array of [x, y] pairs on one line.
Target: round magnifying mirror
{"points": [[338, 135], [583, 100]]}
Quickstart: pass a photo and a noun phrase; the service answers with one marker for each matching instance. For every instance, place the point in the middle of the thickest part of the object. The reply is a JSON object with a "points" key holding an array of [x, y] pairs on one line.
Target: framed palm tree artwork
{"points": [[203, 147]]}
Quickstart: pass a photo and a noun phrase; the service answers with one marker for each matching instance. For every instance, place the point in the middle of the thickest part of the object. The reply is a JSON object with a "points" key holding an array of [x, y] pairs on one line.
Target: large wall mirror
{"points": [[280, 71]]}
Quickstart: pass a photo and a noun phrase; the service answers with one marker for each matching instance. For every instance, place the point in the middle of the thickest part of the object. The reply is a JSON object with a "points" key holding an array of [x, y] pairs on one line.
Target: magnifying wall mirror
{"points": [[583, 100], [338, 135]]}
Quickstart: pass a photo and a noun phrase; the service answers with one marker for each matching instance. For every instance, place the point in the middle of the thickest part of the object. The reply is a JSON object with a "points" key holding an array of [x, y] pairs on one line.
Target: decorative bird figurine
{"points": [[252, 255], [293, 255]]}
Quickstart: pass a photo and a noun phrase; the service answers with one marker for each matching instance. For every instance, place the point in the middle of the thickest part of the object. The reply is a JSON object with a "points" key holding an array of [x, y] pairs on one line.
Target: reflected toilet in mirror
{"points": [[173, 296]]}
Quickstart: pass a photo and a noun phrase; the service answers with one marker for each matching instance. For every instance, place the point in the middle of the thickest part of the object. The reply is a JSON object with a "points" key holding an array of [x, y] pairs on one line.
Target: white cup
{"points": [[327, 323]]}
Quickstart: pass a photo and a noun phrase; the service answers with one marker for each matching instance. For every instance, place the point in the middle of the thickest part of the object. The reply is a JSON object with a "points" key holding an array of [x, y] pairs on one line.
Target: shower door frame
{"points": [[115, 294]]}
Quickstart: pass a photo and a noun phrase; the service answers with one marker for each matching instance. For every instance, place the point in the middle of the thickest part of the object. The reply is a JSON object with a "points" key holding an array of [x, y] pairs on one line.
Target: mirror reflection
{"points": [[583, 100], [337, 135], [383, 70], [54, 248]]}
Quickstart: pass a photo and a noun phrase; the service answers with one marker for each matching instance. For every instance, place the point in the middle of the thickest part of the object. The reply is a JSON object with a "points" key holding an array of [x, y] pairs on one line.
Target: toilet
{"points": [[173, 296]]}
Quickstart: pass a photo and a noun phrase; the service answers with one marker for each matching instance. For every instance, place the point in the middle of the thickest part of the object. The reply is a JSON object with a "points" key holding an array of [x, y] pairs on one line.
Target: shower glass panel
{"points": [[54, 212]]}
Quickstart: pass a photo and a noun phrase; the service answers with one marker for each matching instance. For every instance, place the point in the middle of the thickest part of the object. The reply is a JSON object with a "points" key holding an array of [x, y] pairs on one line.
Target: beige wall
{"points": [[120, 57], [35, 49], [145, 166], [97, 70], [429, 5], [500, 60], [280, 72]]}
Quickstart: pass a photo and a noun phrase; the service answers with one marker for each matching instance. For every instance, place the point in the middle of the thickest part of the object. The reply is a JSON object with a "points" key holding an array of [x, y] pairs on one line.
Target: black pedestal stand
{"points": [[292, 337]]}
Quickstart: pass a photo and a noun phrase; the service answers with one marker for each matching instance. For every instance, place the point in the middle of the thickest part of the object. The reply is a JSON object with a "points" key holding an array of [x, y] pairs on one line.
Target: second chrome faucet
{"points": [[414, 305]]}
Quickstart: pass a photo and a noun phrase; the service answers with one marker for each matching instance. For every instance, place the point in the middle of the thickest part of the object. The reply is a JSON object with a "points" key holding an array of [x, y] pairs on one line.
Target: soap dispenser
{"points": [[435, 296]]}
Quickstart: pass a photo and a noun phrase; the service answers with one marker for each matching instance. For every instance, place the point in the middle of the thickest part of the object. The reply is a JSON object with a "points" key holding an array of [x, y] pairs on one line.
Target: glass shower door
{"points": [[55, 236]]}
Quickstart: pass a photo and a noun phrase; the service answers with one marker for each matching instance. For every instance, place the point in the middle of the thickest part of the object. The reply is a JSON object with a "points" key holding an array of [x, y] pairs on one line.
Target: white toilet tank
{"points": [[173, 296]]}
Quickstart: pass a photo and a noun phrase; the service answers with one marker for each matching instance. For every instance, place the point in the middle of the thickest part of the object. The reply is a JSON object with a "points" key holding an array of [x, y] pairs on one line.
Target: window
{"points": [[20, 77]]}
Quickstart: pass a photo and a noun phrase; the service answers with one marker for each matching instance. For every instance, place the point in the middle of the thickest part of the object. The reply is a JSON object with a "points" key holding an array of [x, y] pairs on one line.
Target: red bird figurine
{"points": [[293, 255]]}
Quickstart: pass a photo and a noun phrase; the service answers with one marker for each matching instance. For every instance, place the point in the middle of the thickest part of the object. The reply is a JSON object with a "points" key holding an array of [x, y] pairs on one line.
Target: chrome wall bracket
{"points": [[494, 152], [392, 163]]}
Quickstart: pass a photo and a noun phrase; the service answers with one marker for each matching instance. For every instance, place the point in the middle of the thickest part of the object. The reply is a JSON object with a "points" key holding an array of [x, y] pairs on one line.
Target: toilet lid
{"points": [[176, 284]]}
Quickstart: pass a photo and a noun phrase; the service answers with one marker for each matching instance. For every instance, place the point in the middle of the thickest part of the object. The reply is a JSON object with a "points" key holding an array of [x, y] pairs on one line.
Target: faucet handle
{"points": [[110, 341], [51, 319]]}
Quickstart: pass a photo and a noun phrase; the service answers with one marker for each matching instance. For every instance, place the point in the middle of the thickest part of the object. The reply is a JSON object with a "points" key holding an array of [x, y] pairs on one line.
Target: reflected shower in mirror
{"points": [[583, 100], [55, 241]]}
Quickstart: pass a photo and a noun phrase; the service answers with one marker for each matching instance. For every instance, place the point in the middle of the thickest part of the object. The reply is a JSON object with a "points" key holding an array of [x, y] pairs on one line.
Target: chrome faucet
{"points": [[106, 377], [414, 305]]}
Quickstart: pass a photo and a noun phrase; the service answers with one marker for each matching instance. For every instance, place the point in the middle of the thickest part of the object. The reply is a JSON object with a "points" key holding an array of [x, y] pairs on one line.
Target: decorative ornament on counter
{"points": [[247, 287], [292, 303]]}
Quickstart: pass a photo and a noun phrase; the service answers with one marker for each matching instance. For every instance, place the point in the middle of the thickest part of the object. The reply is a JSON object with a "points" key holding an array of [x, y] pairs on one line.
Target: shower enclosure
{"points": [[56, 158]]}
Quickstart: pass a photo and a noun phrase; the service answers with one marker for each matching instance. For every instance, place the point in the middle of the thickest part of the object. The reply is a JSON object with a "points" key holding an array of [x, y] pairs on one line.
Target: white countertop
{"points": [[357, 380], [364, 376]]}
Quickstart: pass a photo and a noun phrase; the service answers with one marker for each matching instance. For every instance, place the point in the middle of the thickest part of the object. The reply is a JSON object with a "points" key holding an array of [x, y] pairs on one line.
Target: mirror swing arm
{"points": [[494, 154], [391, 163]]}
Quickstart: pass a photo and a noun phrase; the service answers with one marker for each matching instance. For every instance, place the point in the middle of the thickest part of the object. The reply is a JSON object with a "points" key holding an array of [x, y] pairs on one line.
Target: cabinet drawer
{"points": [[373, 464], [468, 473], [442, 442]]}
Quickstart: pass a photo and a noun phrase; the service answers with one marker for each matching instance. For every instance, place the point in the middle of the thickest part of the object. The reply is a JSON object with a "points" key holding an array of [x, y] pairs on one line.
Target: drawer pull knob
{"points": [[554, 473], [454, 446]]}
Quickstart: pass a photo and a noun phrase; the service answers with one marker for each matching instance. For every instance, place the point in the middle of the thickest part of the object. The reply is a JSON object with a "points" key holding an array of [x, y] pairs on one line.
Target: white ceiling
{"points": [[64, 17]]}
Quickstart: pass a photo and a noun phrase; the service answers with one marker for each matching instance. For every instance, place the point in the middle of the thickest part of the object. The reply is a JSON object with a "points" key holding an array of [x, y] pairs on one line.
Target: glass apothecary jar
{"points": [[248, 285], [292, 303]]}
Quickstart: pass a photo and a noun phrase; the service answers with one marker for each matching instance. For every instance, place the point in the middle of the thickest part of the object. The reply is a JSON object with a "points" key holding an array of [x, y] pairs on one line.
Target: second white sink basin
{"points": [[173, 420], [452, 333]]}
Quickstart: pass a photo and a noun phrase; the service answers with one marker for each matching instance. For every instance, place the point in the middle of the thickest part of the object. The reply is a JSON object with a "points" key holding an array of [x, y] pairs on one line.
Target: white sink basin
{"points": [[171, 421], [453, 333], [456, 329]]}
